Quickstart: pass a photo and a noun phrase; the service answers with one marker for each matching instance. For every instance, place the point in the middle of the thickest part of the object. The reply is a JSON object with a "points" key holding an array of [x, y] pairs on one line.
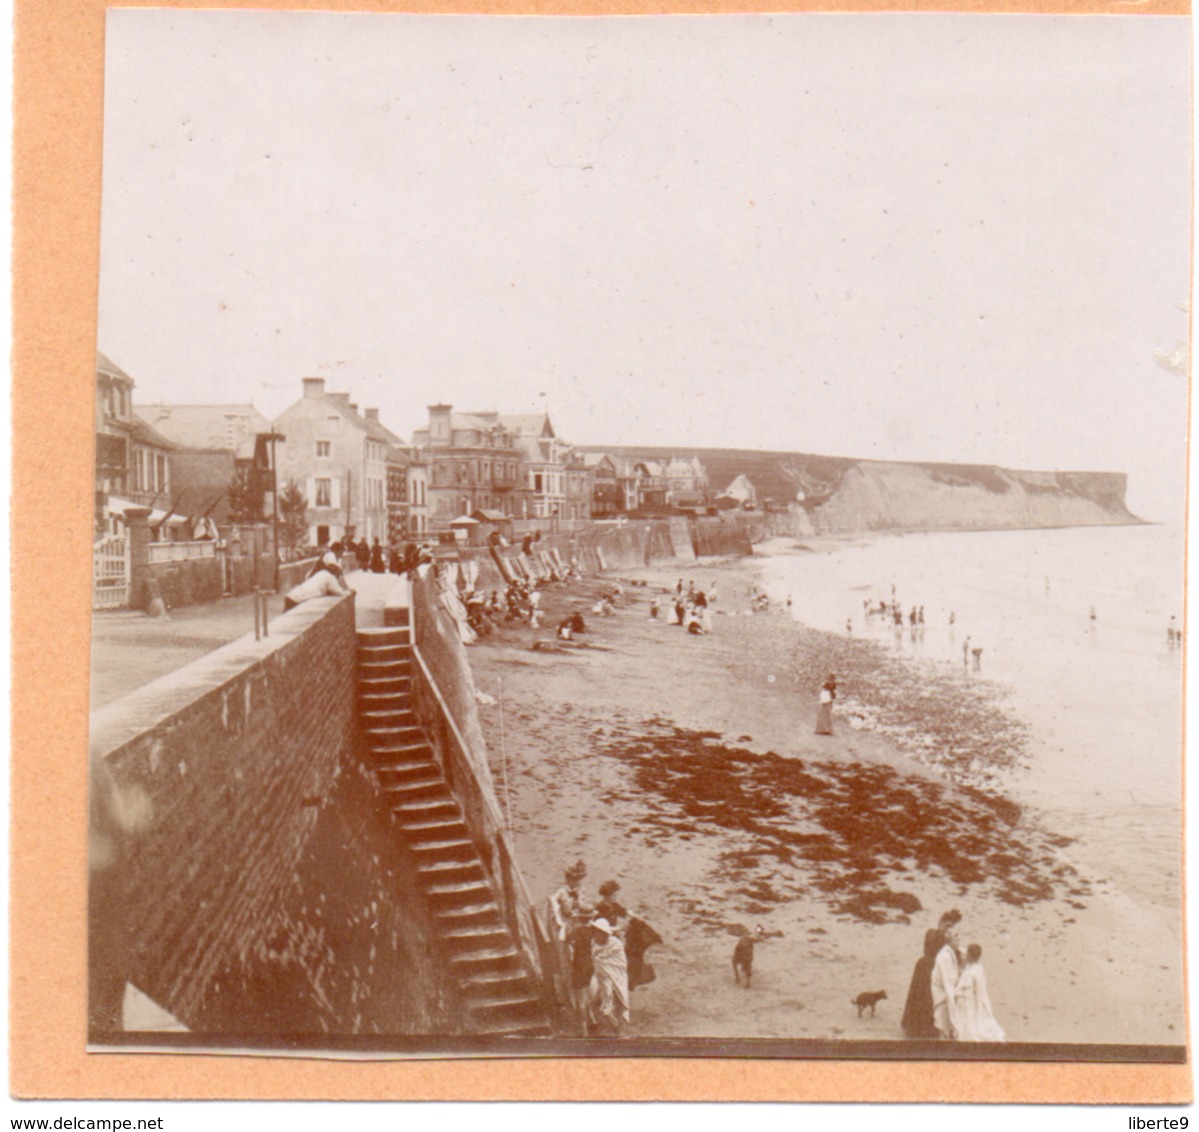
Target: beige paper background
{"points": [[58, 89]]}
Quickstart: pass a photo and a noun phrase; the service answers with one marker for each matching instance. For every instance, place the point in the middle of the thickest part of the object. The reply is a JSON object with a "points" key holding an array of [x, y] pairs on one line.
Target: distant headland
{"points": [[841, 495]]}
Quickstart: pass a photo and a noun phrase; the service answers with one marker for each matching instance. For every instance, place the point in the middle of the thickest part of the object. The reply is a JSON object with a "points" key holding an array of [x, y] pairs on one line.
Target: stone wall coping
{"points": [[115, 724]]}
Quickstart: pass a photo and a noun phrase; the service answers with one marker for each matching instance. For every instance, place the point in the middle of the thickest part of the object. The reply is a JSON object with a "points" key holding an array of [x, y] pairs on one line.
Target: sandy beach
{"points": [[687, 768]]}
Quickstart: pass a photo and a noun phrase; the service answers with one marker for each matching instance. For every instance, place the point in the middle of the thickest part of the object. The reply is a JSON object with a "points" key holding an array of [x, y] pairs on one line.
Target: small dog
{"points": [[743, 955], [868, 998]]}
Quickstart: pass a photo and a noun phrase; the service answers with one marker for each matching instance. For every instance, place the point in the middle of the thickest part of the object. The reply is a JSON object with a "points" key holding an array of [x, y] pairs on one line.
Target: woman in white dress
{"points": [[946, 972], [608, 995], [824, 718], [973, 1017]]}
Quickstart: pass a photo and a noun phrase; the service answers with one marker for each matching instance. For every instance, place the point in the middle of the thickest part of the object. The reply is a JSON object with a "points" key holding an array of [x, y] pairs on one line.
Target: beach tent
{"points": [[483, 515], [158, 517]]}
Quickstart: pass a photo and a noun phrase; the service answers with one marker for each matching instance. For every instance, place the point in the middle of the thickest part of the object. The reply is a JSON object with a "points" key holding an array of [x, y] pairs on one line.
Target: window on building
{"points": [[324, 448], [537, 481], [333, 422], [324, 492]]}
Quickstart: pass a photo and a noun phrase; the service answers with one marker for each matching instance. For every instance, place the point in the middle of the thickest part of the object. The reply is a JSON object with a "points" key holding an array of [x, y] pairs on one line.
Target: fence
{"points": [[181, 551], [110, 572]]}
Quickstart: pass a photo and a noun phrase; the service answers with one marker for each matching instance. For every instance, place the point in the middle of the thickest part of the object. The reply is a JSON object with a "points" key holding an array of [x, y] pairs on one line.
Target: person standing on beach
{"points": [[966, 653], [608, 993], [568, 912], [946, 970], [824, 718], [918, 1019], [973, 1016]]}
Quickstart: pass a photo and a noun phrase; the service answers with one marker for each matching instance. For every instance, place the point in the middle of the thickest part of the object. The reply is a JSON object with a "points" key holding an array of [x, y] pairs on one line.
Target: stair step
{"points": [[468, 911], [413, 785], [514, 1003], [417, 831], [450, 845], [428, 807], [478, 936], [484, 957], [383, 653], [382, 636], [402, 752], [393, 691], [386, 737], [438, 870], [388, 715], [495, 981], [461, 890], [374, 645], [380, 685], [384, 669], [408, 769]]}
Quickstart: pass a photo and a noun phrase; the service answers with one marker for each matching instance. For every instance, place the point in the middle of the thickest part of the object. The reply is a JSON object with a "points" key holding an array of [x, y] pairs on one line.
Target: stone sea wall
{"points": [[242, 871]]}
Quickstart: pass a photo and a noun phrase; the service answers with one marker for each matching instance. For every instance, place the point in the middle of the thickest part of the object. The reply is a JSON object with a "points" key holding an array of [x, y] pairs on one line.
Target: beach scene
{"points": [[718, 807], [641, 535]]}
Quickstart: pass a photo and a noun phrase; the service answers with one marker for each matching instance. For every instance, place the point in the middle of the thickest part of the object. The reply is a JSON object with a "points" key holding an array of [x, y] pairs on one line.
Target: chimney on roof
{"points": [[344, 398], [314, 387], [371, 415], [439, 424]]}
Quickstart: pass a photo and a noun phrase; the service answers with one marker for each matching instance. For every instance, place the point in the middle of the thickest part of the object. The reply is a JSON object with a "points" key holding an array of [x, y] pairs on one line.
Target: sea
{"points": [[1102, 695]]}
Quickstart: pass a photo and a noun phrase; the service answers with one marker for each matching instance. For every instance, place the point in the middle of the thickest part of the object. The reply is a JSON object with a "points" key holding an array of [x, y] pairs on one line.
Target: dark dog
{"points": [[743, 955], [868, 998]]}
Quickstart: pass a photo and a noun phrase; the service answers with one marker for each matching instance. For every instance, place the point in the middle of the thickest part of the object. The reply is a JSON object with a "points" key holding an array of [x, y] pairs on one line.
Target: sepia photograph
{"points": [[647, 536]]}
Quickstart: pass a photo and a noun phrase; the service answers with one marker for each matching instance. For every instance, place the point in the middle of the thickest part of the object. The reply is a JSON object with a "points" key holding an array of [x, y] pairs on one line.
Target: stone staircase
{"points": [[500, 996]]}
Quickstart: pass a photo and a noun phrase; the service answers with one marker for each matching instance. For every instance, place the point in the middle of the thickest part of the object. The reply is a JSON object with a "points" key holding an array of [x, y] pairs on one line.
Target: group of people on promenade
{"points": [[600, 949], [948, 997], [326, 578]]}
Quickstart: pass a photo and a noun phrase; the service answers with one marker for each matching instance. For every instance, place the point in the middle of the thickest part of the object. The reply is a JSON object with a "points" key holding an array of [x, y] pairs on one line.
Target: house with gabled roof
{"points": [[473, 464], [686, 482], [339, 460], [212, 441], [607, 498], [132, 457], [742, 492]]}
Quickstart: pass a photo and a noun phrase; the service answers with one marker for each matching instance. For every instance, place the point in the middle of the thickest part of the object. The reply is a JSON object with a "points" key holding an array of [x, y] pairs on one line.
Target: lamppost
{"points": [[272, 438]]}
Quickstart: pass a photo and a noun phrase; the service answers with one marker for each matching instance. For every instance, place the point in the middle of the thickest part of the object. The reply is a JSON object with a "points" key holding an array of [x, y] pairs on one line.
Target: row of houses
{"points": [[359, 478]]}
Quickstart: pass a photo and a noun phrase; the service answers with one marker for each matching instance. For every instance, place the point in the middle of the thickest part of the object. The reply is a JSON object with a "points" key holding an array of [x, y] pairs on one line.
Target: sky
{"points": [[908, 237]]}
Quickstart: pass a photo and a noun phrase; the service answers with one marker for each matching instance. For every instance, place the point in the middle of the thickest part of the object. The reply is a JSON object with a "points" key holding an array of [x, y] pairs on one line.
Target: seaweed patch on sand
{"points": [[858, 836]]}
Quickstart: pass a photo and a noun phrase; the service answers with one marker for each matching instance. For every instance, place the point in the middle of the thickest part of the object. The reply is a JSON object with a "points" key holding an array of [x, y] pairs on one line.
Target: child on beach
{"points": [[973, 1018]]}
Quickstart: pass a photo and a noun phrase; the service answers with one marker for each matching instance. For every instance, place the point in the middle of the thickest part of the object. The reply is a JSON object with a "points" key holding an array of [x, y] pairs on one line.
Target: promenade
{"points": [[130, 649]]}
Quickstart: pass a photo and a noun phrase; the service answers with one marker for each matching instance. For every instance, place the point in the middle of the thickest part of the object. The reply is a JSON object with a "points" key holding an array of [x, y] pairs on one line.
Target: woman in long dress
{"points": [[918, 1011], [946, 971], [824, 720], [973, 1017], [608, 996]]}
